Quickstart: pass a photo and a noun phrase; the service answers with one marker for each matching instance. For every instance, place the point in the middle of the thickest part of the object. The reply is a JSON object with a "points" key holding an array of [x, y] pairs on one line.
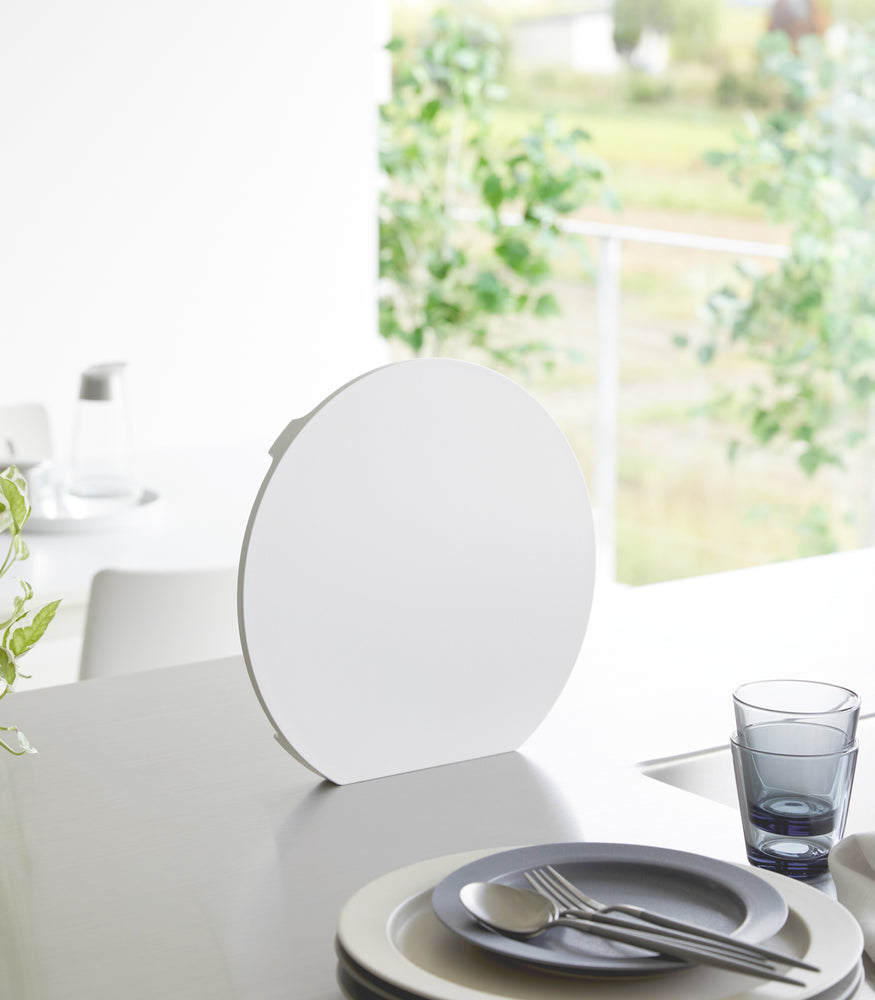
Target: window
{"points": [[731, 285]]}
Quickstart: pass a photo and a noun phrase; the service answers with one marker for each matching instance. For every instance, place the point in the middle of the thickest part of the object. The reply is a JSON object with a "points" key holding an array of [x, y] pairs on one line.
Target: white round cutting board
{"points": [[417, 572]]}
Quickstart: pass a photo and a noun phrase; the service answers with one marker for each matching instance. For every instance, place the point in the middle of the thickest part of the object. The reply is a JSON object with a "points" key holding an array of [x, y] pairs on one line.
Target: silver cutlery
{"points": [[520, 913], [569, 908], [569, 897]]}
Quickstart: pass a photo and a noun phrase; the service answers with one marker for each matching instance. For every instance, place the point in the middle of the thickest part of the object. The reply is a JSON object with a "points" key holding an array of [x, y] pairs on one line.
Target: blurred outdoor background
{"points": [[739, 431]]}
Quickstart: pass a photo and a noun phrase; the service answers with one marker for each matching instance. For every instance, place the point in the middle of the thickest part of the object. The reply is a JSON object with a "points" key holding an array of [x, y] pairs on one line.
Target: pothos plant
{"points": [[23, 628], [810, 321], [453, 267]]}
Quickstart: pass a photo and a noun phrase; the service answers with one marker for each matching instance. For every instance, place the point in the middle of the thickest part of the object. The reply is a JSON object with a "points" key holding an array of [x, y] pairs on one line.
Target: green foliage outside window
{"points": [[810, 321], [453, 271]]}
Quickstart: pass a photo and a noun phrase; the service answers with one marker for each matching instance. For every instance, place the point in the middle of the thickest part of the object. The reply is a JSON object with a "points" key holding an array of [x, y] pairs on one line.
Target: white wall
{"points": [[188, 185]]}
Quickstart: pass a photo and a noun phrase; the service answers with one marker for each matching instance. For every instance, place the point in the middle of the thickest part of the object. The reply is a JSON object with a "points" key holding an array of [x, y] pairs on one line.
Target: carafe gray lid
{"points": [[97, 381]]}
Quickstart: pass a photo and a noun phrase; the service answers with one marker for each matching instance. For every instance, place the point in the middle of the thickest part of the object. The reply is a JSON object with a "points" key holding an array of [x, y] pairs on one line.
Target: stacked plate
{"points": [[406, 936]]}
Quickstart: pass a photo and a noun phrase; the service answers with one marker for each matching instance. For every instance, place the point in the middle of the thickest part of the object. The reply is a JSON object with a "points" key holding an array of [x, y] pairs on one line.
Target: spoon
{"points": [[519, 913]]}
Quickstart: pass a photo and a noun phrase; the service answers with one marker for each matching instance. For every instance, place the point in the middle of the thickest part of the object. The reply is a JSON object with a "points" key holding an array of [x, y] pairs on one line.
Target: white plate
{"points": [[68, 525], [357, 984], [417, 572], [389, 929]]}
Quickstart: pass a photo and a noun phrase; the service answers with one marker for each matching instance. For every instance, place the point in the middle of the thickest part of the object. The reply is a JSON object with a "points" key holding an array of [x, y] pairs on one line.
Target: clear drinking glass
{"points": [[794, 797], [762, 705], [794, 754]]}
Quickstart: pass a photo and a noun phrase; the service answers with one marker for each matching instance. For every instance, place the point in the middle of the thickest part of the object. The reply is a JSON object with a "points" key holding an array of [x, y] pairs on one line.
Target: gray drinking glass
{"points": [[762, 705], [794, 789]]}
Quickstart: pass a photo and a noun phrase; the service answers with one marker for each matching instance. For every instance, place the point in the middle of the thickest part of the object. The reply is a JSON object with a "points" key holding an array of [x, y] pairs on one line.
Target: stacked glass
{"points": [[794, 753]]}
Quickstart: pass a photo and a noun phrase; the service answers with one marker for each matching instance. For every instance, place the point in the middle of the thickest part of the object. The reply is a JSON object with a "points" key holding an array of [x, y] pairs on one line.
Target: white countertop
{"points": [[162, 843]]}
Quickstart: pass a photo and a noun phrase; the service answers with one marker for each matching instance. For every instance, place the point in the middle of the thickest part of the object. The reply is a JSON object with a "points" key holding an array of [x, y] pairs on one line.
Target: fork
{"points": [[552, 891], [565, 894]]}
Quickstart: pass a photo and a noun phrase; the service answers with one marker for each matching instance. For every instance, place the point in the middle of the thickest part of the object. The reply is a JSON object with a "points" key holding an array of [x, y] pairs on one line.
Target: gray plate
{"points": [[689, 887]]}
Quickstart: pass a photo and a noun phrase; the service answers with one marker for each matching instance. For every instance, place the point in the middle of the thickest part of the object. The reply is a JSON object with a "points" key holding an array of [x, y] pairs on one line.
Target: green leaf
{"points": [[804, 433], [811, 460], [14, 490], [17, 616], [547, 306], [765, 427], [439, 267], [430, 109], [18, 603], [493, 192], [492, 295], [7, 667], [25, 637], [18, 645], [513, 251]]}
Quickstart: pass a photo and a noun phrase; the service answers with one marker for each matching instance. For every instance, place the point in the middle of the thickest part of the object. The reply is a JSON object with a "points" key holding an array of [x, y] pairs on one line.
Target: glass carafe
{"points": [[103, 476]]}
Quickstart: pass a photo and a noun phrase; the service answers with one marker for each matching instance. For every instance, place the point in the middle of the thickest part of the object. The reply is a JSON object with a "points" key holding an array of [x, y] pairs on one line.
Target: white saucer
{"points": [[389, 929], [66, 524]]}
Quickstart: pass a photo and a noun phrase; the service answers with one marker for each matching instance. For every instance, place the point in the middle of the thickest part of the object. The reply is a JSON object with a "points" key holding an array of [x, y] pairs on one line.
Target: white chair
{"points": [[24, 432], [140, 620]]}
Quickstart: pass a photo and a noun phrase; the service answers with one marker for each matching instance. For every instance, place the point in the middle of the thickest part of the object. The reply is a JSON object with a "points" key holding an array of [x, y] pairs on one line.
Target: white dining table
{"points": [[204, 497], [162, 843]]}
